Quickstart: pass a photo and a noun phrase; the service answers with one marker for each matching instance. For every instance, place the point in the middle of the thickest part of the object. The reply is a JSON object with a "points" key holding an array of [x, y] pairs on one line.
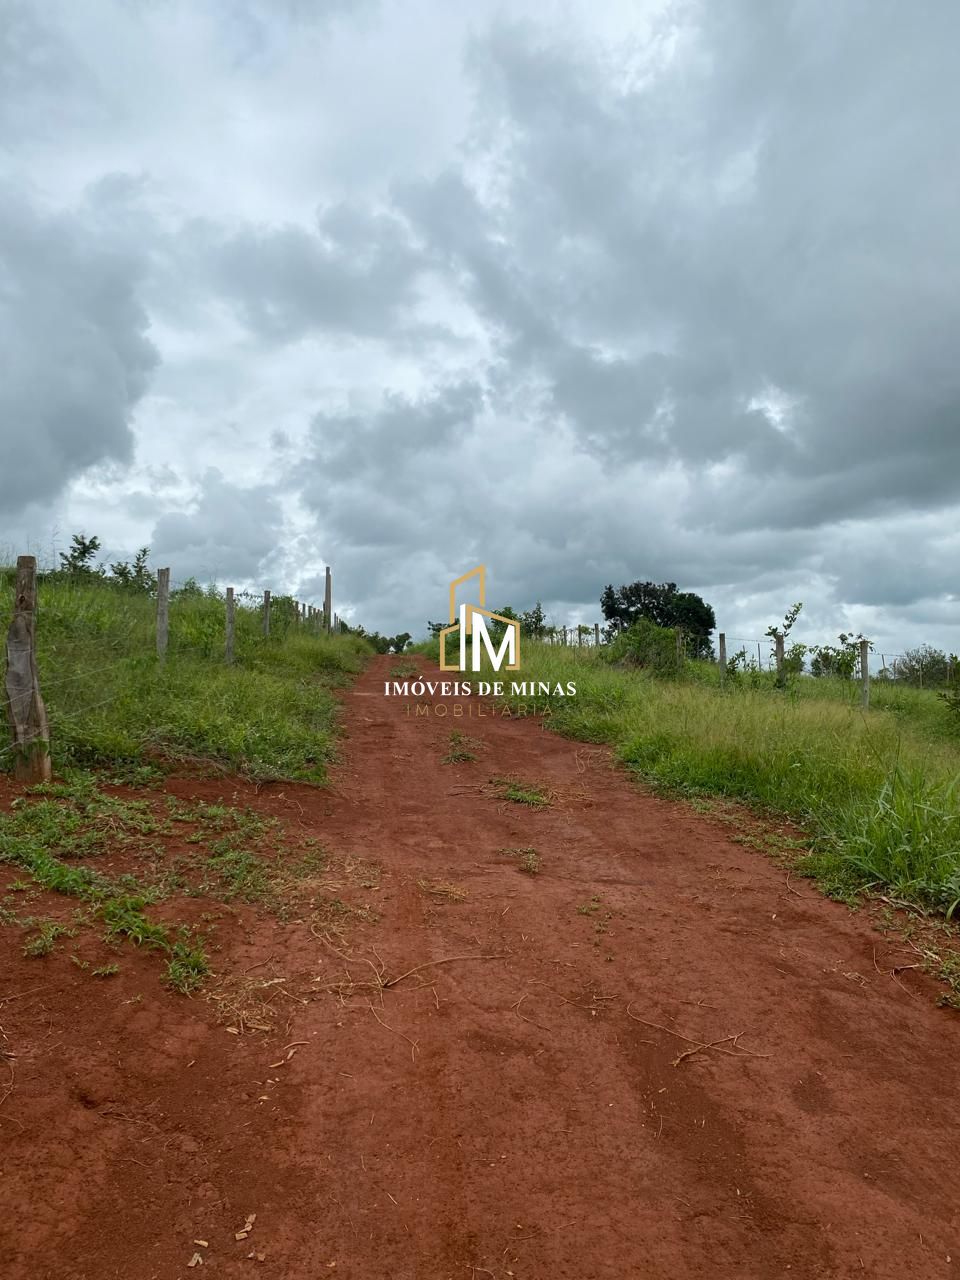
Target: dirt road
{"points": [[672, 1060]]}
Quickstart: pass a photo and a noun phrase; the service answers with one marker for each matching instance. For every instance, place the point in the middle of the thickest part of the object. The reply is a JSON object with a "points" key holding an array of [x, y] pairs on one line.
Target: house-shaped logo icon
{"points": [[470, 622]]}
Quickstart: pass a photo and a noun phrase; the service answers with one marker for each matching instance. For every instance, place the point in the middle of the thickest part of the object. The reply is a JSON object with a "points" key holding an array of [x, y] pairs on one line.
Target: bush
{"points": [[644, 644]]}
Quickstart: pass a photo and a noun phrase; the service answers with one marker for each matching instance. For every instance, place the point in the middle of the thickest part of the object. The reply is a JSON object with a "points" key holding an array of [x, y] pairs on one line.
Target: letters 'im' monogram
{"points": [[470, 622]]}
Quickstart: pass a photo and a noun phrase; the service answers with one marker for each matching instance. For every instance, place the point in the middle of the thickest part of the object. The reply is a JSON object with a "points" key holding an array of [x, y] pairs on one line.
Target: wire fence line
{"points": [[760, 652], [89, 619], [199, 628]]}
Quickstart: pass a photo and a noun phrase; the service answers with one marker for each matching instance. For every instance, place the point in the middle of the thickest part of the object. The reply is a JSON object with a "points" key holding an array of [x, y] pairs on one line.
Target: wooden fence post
{"points": [[564, 635], [163, 612], [779, 650], [579, 636], [28, 716], [680, 650], [596, 634], [723, 657], [228, 647], [266, 613], [327, 600], [865, 673]]}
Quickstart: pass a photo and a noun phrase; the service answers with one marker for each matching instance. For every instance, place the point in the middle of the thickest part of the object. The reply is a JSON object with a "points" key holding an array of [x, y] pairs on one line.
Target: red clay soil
{"points": [[543, 1112]]}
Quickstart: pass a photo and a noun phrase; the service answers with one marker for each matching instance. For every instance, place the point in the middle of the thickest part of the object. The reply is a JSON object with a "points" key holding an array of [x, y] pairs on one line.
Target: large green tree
{"points": [[665, 606]]}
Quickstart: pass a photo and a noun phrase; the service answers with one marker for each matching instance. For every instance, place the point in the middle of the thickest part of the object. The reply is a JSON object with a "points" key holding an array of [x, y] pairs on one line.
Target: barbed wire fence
{"points": [[178, 629], [761, 653], [193, 632]]}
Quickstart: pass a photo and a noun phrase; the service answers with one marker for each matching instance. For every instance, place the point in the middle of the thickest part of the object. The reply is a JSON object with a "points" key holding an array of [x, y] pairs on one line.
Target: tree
{"points": [[837, 660], [385, 644], [533, 622], [665, 606], [78, 561], [794, 656], [923, 666], [136, 576], [951, 695]]}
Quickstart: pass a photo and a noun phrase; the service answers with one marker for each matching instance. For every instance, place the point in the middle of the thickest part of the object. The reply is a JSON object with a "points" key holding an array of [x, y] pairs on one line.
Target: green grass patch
{"points": [[44, 940], [271, 714], [877, 793], [40, 835], [521, 793]]}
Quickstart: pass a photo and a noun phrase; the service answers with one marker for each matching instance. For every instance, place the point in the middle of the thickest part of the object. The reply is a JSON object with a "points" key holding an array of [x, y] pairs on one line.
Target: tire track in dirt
{"points": [[539, 1129]]}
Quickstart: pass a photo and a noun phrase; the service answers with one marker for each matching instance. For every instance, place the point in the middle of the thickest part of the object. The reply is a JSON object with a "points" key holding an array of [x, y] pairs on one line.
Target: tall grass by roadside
{"points": [[878, 792], [270, 714]]}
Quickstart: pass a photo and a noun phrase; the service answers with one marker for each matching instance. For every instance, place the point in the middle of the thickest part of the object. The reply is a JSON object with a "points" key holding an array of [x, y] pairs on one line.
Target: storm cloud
{"points": [[666, 290]]}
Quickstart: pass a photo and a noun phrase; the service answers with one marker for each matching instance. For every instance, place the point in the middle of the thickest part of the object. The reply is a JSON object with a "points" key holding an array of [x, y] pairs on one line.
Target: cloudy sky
{"points": [[589, 292]]}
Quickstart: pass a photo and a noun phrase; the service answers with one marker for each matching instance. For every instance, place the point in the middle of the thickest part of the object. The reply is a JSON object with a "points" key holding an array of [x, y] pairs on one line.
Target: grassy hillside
{"points": [[271, 714], [877, 792]]}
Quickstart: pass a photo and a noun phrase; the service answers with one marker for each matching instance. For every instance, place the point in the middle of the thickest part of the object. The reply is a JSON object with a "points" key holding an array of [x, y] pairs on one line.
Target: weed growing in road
{"points": [[528, 860], [461, 748], [522, 793], [74, 818], [48, 931], [442, 889], [187, 966], [601, 922]]}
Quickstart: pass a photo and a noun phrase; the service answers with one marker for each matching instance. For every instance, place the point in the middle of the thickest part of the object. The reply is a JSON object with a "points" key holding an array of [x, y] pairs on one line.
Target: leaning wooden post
{"points": [[228, 647], [25, 709], [266, 613], [327, 600], [779, 652], [163, 612], [723, 657], [865, 673]]}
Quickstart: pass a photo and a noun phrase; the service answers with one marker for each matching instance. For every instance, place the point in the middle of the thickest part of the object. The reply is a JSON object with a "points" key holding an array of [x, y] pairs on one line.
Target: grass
{"points": [[876, 793], [460, 749], [528, 860], [50, 828], [521, 793], [112, 705], [43, 942], [443, 889]]}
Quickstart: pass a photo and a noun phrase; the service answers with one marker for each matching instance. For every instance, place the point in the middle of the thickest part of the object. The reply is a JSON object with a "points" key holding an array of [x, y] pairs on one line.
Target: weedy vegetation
{"points": [[271, 714], [876, 792], [461, 748], [521, 793], [528, 860], [55, 835]]}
